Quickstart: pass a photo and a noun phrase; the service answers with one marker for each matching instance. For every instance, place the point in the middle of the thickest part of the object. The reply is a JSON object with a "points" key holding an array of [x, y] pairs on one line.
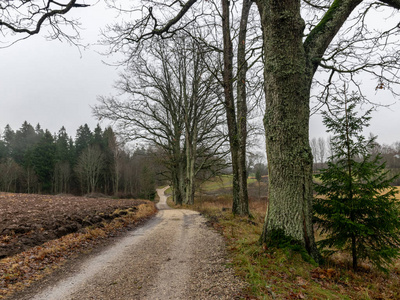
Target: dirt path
{"points": [[174, 256]]}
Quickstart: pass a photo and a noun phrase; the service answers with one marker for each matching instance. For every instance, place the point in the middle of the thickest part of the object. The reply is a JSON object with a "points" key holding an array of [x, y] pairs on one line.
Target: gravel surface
{"points": [[174, 256]]}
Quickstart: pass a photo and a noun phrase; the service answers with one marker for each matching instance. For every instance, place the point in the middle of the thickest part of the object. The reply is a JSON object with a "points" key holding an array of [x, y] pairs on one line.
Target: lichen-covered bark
{"points": [[289, 68], [287, 88]]}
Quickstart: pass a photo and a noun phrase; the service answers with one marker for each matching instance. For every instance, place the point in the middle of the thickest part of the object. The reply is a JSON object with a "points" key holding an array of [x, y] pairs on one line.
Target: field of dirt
{"points": [[28, 220]]}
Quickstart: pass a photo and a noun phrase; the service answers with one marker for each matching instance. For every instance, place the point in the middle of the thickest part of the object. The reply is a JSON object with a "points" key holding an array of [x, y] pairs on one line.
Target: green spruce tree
{"points": [[84, 138], [43, 160], [355, 205]]}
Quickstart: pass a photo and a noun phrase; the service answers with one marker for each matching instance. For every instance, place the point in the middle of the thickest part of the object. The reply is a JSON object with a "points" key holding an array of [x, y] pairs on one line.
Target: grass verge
{"points": [[282, 274]]}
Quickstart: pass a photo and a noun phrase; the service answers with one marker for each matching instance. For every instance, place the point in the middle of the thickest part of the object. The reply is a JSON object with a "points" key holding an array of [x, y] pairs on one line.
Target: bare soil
{"points": [[28, 220]]}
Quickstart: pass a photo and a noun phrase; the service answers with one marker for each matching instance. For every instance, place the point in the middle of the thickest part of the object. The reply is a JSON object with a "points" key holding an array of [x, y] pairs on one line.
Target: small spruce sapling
{"points": [[355, 206]]}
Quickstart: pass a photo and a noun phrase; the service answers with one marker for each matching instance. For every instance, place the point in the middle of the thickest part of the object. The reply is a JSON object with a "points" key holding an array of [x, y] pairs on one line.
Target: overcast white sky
{"points": [[385, 122], [51, 84]]}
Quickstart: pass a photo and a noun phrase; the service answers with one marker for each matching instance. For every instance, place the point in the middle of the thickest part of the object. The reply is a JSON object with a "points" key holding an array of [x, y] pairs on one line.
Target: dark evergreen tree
{"points": [[3, 150], [111, 155], [43, 161], [63, 162], [72, 151], [84, 137], [356, 206], [8, 137], [39, 131], [98, 137], [62, 145], [25, 139]]}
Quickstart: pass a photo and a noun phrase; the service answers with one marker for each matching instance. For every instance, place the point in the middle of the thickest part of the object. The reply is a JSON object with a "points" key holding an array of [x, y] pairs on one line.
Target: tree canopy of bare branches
{"points": [[173, 102], [26, 18]]}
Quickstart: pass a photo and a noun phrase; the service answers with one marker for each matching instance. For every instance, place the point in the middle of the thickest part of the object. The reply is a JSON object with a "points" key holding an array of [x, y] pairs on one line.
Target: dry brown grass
{"points": [[398, 192]]}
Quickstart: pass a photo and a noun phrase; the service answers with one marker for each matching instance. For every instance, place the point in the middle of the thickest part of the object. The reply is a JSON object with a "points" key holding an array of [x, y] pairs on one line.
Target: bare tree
{"points": [[236, 83], [129, 174], [314, 149], [321, 150], [202, 118], [62, 177], [89, 166], [236, 116], [329, 146], [234, 78], [30, 180], [318, 150], [397, 147], [174, 104], [10, 172]]}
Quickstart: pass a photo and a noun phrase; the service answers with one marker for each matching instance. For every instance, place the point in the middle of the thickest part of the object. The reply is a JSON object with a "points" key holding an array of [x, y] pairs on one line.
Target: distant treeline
{"points": [[322, 149], [33, 160]]}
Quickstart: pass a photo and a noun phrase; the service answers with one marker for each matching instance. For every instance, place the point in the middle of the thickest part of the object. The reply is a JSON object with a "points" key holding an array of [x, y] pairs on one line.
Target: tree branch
{"points": [[173, 21], [46, 15], [322, 35]]}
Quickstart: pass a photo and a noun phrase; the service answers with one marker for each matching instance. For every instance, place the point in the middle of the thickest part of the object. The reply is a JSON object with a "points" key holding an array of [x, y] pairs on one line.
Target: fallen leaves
{"points": [[320, 273]]}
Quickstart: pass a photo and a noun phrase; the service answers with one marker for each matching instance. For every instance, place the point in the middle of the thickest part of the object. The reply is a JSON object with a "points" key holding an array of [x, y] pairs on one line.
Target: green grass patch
{"points": [[216, 183], [168, 191], [220, 183]]}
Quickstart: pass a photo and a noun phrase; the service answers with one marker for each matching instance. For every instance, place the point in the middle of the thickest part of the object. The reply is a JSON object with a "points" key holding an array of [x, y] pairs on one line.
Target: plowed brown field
{"points": [[28, 220]]}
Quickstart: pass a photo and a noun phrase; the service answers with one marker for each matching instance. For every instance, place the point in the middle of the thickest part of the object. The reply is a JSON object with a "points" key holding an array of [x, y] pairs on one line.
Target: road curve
{"points": [[173, 256]]}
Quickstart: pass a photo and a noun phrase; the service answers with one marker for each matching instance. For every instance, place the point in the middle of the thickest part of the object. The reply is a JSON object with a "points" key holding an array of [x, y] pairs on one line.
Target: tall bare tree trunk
{"points": [[230, 105], [243, 205], [189, 195], [191, 156], [237, 125]]}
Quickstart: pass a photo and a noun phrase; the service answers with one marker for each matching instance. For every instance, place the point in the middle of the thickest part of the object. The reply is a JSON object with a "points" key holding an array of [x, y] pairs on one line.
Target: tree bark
{"points": [[191, 156], [190, 175], [230, 104], [178, 171], [177, 186], [190, 160], [241, 100], [287, 91]]}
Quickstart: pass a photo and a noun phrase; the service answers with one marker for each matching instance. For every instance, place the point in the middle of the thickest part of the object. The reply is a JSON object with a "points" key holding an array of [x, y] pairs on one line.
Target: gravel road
{"points": [[173, 256]]}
